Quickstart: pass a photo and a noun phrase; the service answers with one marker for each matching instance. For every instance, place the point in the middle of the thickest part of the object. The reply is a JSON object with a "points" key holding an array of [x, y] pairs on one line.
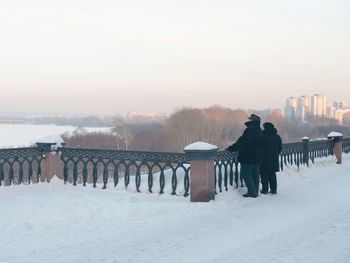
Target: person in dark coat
{"points": [[272, 146], [249, 147]]}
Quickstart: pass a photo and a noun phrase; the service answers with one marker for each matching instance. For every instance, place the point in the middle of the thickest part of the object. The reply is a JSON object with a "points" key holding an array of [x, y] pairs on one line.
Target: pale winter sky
{"points": [[104, 56]]}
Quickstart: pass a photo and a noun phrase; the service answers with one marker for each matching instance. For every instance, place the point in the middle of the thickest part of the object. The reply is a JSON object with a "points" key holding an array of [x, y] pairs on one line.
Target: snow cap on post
{"points": [[334, 134], [201, 151], [50, 143], [200, 146]]}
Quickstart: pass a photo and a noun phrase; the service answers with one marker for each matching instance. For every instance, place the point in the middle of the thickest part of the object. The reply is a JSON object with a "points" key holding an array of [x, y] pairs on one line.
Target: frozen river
{"points": [[15, 135]]}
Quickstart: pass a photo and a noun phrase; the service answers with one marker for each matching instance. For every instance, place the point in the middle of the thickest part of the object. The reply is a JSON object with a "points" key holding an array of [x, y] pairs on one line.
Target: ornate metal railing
{"points": [[299, 153], [168, 171], [20, 165], [226, 169], [320, 149], [107, 165], [292, 153], [346, 145]]}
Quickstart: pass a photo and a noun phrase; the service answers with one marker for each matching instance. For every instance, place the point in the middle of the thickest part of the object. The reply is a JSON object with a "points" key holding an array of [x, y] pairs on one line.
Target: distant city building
{"points": [[318, 105], [305, 107], [346, 118], [330, 110], [342, 116], [290, 111], [276, 112], [339, 105]]}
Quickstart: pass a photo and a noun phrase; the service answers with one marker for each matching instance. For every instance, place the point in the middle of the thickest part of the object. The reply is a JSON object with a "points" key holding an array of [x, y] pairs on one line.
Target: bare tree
{"points": [[186, 126], [123, 132]]}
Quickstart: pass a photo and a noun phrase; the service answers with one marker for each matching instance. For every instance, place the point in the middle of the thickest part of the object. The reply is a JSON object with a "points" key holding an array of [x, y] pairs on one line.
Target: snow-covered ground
{"points": [[18, 135], [307, 221]]}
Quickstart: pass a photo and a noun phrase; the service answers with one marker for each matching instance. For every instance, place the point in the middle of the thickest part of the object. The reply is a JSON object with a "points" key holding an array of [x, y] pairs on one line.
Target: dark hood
{"points": [[270, 131], [252, 124]]}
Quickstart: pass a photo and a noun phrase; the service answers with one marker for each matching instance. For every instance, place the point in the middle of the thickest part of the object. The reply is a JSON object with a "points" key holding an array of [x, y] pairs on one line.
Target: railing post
{"points": [[306, 151], [202, 182], [51, 164], [337, 145]]}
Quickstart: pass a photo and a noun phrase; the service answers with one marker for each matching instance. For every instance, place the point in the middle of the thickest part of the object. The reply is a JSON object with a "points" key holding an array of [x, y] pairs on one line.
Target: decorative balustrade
{"points": [[346, 145], [78, 165], [106, 165], [292, 153], [20, 165], [320, 149], [299, 153], [226, 168]]}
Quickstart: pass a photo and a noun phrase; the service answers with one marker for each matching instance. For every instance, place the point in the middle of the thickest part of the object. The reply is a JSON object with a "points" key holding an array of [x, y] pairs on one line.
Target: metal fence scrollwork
{"points": [[320, 149], [226, 169], [346, 145], [104, 166], [20, 165], [146, 171]]}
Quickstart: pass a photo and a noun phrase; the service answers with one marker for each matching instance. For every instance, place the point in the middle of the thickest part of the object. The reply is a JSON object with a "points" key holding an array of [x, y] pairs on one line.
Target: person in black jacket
{"points": [[249, 147], [272, 146]]}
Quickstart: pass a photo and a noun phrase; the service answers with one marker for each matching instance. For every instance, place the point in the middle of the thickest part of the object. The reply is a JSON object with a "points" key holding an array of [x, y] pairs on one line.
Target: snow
{"points": [[51, 139], [56, 139], [307, 221], [18, 135], [200, 146], [306, 138], [335, 134]]}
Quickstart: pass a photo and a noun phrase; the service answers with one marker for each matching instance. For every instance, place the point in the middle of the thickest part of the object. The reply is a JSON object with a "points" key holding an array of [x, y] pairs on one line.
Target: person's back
{"points": [[271, 150], [272, 146], [250, 150]]}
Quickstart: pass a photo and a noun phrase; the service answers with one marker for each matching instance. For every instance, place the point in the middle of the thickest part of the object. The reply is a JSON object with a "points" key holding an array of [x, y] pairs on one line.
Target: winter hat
{"points": [[254, 117]]}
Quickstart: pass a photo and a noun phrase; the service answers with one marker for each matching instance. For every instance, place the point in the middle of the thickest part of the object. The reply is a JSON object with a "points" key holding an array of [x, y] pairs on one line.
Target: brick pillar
{"points": [[337, 150], [51, 164], [337, 147], [202, 181]]}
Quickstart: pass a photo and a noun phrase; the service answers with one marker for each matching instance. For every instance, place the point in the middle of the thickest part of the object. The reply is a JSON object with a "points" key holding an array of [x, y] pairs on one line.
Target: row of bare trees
{"points": [[216, 125]]}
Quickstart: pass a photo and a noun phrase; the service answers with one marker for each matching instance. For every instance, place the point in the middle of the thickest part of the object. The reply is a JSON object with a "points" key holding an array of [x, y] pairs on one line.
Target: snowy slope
{"points": [[308, 221]]}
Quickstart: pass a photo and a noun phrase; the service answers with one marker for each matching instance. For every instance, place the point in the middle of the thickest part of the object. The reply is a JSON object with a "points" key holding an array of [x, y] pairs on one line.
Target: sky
{"points": [[107, 57]]}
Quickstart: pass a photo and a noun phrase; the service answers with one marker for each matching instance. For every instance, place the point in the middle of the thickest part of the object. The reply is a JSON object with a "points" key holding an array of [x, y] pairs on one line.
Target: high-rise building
{"points": [[318, 105], [303, 109], [290, 111], [330, 110]]}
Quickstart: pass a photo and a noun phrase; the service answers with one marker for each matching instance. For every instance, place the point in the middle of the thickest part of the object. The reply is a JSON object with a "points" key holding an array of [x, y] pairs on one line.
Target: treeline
{"points": [[216, 125], [88, 121]]}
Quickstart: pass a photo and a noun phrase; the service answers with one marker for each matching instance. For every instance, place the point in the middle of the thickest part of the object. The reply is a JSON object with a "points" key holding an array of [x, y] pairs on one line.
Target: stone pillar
{"points": [[202, 181], [51, 164], [337, 145]]}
